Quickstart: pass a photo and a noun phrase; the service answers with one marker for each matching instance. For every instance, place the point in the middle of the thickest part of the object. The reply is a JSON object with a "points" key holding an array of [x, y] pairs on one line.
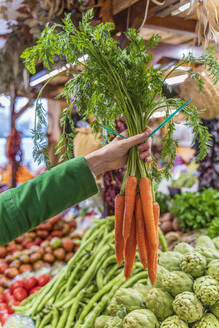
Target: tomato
{"points": [[16, 284], [43, 279], [1, 298], [20, 294], [34, 290], [4, 317], [16, 303], [11, 300], [30, 283], [7, 294], [10, 310], [3, 306], [3, 267]]}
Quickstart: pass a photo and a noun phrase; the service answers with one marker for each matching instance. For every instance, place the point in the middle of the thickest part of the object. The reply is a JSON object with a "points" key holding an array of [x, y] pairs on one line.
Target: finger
{"points": [[133, 141], [148, 159], [145, 146], [145, 154]]}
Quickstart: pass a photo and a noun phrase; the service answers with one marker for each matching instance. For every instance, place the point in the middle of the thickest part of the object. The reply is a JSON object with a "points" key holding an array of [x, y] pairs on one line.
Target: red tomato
{"points": [[43, 279], [20, 294], [3, 267], [16, 284], [30, 283], [3, 306], [4, 317], [34, 290], [10, 310], [1, 298], [16, 303], [7, 295], [11, 300]]}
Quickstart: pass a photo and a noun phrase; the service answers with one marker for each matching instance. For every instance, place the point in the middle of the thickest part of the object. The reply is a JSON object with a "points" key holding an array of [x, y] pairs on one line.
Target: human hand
{"points": [[115, 154]]}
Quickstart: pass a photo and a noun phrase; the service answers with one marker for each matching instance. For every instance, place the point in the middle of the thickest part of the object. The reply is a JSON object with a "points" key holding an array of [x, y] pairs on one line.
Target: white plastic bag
{"points": [[19, 321]]}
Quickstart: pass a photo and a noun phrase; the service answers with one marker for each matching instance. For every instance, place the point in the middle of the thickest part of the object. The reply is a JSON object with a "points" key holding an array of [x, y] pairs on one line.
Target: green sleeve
{"points": [[48, 194]]}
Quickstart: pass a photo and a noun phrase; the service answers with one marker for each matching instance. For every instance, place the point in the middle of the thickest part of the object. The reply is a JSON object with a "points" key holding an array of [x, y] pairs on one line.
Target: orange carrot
{"points": [[156, 211], [151, 235], [119, 242], [130, 250], [130, 195], [141, 233]]}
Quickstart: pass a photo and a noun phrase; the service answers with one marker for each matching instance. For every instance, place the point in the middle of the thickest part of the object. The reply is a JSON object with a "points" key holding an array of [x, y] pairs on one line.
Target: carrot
{"points": [[151, 235], [130, 250], [130, 195], [141, 233], [156, 211], [119, 242]]}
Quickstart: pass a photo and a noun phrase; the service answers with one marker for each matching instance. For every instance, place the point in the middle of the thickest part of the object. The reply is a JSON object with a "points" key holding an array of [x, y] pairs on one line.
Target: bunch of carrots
{"points": [[136, 225]]}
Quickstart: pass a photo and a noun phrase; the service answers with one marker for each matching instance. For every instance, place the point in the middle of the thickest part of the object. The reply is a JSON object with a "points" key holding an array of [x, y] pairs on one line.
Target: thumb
{"points": [[133, 141]]}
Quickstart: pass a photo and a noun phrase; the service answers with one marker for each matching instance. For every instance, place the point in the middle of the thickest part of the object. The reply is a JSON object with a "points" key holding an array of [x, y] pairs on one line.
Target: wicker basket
{"points": [[208, 99]]}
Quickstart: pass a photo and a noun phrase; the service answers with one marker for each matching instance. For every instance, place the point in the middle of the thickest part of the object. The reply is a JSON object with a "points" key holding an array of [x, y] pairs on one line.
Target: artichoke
{"points": [[213, 269], [207, 290], [193, 263], [141, 319], [170, 260], [142, 289], [205, 241], [208, 321], [160, 272], [183, 248], [174, 322], [106, 321], [215, 309], [177, 282], [188, 307], [127, 298], [160, 303], [209, 253], [216, 242]]}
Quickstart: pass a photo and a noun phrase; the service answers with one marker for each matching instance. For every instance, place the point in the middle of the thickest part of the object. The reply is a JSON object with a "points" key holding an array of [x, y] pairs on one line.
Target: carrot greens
{"points": [[115, 83]]}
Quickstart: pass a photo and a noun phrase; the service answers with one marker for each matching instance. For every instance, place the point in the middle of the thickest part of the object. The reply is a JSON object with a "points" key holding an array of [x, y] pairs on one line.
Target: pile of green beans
{"points": [[81, 291]]}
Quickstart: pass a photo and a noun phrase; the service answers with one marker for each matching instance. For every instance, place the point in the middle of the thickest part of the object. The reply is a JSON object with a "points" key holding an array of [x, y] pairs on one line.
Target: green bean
{"points": [[111, 272], [74, 309], [55, 317], [90, 318], [99, 278], [162, 240], [81, 249], [75, 272], [99, 294], [134, 278], [45, 320], [63, 318], [87, 276]]}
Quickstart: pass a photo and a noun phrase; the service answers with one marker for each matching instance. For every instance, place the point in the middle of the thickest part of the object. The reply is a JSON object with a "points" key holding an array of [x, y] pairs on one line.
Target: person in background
{"points": [[65, 185]]}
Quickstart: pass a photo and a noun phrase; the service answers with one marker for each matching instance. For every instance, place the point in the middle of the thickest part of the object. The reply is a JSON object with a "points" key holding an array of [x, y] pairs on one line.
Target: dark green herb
{"points": [[196, 210], [213, 230]]}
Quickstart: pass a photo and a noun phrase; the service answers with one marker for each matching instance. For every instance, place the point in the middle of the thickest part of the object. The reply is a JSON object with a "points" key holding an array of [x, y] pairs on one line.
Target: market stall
{"points": [[144, 252]]}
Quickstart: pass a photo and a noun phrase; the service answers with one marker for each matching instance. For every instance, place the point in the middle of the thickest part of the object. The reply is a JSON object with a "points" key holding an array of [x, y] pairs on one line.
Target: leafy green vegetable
{"points": [[114, 83], [163, 200], [196, 210], [213, 230]]}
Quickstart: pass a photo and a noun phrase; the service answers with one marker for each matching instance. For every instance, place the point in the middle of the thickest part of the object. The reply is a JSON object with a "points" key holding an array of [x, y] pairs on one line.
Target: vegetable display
{"points": [[82, 290], [18, 291], [91, 291], [58, 245], [177, 299], [117, 83], [196, 210]]}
